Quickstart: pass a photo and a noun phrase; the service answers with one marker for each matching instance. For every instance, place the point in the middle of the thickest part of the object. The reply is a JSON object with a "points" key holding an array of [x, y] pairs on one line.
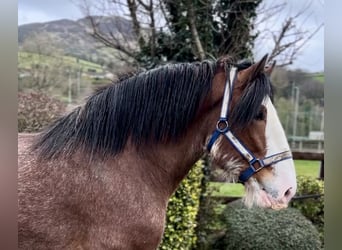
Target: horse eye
{"points": [[260, 116]]}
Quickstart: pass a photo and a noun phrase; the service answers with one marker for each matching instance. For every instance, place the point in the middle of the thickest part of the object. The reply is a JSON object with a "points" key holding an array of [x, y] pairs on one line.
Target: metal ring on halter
{"points": [[260, 162], [220, 123]]}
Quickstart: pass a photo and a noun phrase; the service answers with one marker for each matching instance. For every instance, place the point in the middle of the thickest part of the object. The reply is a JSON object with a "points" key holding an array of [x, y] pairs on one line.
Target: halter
{"points": [[223, 128]]}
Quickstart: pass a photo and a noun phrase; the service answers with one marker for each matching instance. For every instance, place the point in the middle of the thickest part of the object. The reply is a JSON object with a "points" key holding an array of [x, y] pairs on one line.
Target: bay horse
{"points": [[100, 177]]}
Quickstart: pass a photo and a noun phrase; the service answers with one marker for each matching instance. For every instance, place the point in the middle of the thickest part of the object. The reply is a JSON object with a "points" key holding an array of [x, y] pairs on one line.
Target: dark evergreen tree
{"points": [[232, 30], [223, 27]]}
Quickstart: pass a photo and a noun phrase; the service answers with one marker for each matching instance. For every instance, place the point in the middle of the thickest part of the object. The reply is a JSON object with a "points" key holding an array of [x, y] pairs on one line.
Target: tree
{"points": [[46, 68], [313, 89], [179, 30], [286, 41], [47, 65], [233, 29], [184, 30]]}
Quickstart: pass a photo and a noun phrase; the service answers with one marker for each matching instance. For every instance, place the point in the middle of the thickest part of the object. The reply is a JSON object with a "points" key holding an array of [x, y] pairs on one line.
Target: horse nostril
{"points": [[288, 192]]}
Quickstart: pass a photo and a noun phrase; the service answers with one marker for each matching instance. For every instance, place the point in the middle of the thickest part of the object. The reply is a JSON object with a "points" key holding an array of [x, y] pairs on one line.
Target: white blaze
{"points": [[284, 175]]}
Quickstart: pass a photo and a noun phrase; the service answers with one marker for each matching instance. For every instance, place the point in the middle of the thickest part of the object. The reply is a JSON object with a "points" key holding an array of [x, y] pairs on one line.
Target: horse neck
{"points": [[170, 163]]}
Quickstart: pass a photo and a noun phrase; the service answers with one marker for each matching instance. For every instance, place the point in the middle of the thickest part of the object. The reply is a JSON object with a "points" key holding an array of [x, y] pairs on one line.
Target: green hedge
{"points": [[37, 110], [261, 229], [208, 215], [182, 211], [311, 208]]}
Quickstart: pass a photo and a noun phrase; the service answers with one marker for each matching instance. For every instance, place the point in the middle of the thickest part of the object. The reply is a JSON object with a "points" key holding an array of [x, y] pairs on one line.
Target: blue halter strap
{"points": [[223, 128]]}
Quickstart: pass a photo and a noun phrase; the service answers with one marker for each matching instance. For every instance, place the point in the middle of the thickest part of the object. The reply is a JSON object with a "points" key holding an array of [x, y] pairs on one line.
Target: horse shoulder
{"points": [[132, 213]]}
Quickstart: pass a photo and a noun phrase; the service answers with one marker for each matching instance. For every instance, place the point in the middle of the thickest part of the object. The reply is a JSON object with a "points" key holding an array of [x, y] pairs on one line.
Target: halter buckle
{"points": [[258, 161]]}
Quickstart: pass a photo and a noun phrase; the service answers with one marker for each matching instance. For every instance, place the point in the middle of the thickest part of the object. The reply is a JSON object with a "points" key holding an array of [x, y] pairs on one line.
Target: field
{"points": [[319, 77], [27, 59], [303, 167]]}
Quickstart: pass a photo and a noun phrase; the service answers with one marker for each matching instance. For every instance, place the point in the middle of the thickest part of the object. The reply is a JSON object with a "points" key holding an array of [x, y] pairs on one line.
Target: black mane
{"points": [[156, 105], [152, 106]]}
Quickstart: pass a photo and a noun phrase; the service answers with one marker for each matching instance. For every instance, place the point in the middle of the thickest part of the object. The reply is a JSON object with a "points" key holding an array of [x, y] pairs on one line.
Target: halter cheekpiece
{"points": [[223, 128]]}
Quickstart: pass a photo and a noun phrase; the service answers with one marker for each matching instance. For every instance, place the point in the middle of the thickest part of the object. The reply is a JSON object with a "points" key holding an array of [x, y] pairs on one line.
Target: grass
{"points": [[227, 189], [320, 77], [303, 167], [27, 59], [307, 168]]}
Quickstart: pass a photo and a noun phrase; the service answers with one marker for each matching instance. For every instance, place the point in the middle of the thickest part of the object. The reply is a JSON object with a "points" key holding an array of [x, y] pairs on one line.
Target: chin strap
{"points": [[223, 128]]}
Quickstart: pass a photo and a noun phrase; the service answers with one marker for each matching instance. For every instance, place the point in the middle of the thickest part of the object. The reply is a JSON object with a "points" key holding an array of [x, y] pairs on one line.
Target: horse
{"points": [[100, 177]]}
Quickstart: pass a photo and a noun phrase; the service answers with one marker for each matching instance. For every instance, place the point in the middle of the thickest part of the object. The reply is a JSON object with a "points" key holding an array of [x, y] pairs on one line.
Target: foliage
{"points": [[232, 30], [310, 100], [100, 82], [42, 72], [259, 228], [208, 222], [36, 110], [227, 33], [179, 45], [55, 74], [312, 208], [312, 89], [182, 211], [43, 63], [284, 109], [309, 115], [207, 216]]}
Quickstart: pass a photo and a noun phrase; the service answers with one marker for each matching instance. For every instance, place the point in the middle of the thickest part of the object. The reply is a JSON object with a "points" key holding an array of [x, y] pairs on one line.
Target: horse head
{"points": [[249, 144]]}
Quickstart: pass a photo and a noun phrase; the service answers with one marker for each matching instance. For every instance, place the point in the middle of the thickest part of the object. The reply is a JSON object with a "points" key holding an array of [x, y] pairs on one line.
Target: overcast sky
{"points": [[310, 59]]}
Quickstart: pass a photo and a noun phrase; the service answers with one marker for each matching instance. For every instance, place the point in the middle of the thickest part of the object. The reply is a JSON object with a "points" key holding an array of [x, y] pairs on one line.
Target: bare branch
{"points": [[165, 16], [107, 28], [291, 38], [133, 12], [104, 39]]}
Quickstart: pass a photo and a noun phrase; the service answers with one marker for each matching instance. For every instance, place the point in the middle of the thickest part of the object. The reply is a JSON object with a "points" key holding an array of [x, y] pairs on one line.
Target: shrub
{"points": [[207, 217], [311, 208], [209, 222], [36, 110], [182, 211], [266, 229]]}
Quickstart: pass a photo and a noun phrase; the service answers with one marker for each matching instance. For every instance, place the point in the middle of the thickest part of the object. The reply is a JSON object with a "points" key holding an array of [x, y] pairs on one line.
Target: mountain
{"points": [[74, 39]]}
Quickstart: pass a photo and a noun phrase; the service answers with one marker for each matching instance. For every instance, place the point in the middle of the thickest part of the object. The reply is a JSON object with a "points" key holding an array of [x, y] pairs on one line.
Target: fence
{"points": [[313, 156], [307, 145]]}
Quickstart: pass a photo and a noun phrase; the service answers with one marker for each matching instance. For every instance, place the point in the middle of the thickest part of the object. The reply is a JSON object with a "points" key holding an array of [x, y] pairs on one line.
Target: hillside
{"points": [[73, 37], [27, 59]]}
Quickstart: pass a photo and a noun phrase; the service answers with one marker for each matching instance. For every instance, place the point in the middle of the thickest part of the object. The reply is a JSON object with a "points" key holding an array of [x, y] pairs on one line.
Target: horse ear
{"points": [[252, 72], [259, 66], [269, 68]]}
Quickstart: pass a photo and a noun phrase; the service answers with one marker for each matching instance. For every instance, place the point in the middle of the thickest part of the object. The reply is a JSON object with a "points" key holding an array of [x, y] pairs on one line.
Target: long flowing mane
{"points": [[156, 105], [153, 106]]}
